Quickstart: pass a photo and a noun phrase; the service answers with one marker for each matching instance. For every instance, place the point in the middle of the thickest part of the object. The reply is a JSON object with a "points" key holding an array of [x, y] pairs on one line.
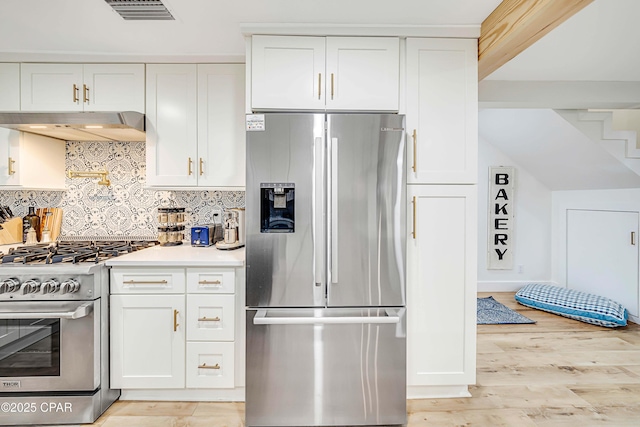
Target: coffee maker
{"points": [[233, 230]]}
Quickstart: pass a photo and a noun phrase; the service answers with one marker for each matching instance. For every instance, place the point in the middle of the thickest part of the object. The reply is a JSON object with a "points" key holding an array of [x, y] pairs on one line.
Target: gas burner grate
{"points": [[74, 251]]}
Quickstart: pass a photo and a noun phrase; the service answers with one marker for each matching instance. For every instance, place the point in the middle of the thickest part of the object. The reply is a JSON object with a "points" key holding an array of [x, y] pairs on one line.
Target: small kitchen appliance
{"points": [[206, 235], [233, 230]]}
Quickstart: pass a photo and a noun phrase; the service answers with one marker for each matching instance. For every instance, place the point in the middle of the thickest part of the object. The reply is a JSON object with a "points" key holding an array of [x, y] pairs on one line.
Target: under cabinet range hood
{"points": [[98, 126]]}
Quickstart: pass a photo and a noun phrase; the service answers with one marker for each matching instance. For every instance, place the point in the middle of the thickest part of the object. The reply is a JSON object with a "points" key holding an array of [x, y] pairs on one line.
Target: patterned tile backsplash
{"points": [[124, 209]]}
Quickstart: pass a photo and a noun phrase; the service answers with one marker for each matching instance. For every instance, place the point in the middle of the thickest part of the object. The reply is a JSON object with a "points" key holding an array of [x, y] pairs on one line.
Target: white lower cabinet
{"points": [[147, 341], [173, 328], [441, 286]]}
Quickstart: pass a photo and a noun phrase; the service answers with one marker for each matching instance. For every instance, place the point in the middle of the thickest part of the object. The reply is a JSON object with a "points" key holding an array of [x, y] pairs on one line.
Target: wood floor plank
{"points": [[607, 395]]}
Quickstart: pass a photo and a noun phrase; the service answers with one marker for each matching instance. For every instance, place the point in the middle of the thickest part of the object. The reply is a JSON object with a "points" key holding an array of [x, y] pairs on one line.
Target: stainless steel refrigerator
{"points": [[325, 264]]}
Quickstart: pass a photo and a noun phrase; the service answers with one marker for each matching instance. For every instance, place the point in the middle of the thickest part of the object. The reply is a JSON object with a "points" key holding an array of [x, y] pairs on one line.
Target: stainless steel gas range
{"points": [[54, 332]]}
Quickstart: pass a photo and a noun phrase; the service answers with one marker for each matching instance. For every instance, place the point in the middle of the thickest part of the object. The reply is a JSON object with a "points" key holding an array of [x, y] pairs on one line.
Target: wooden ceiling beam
{"points": [[515, 25]]}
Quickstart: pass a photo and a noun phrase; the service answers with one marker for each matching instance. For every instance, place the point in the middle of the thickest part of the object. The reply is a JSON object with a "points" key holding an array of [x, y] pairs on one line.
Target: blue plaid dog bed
{"points": [[574, 304]]}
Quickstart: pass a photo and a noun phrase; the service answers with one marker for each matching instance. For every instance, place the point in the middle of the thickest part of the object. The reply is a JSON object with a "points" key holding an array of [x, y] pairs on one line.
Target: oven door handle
{"points": [[80, 312]]}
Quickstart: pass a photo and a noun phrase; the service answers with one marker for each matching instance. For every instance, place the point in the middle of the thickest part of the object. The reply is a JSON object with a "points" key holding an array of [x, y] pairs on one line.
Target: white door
{"points": [[221, 130], [113, 87], [287, 73], [441, 284], [147, 341], [10, 87], [363, 73], [172, 140], [442, 111], [602, 255], [51, 87]]}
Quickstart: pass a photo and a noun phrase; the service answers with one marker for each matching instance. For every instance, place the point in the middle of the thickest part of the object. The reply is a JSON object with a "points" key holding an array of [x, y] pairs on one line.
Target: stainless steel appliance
{"points": [[54, 332], [325, 257]]}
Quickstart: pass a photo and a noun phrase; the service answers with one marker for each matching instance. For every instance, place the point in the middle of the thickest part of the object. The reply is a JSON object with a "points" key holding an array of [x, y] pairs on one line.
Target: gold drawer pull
{"points": [[75, 93], [208, 319], [205, 366], [85, 93], [189, 166], [175, 320], [145, 282], [210, 282]]}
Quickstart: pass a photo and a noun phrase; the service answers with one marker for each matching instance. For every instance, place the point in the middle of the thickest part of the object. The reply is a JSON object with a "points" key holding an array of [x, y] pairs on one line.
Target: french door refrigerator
{"points": [[325, 264]]}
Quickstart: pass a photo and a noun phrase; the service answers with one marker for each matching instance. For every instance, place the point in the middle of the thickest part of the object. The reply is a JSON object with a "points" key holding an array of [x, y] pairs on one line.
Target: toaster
{"points": [[206, 235]]}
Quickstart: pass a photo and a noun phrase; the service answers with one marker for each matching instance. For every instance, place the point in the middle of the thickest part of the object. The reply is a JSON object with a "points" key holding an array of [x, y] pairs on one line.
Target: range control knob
{"points": [[69, 286], [9, 285], [50, 286], [31, 286]]}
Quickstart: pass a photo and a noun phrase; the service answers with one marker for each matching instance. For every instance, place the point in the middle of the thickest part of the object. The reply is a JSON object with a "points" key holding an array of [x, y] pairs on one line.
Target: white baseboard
{"points": [[437, 391], [509, 286], [186, 395]]}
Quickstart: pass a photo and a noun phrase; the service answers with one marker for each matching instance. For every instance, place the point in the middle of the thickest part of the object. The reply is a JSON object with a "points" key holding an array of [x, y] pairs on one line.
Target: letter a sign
{"points": [[501, 225]]}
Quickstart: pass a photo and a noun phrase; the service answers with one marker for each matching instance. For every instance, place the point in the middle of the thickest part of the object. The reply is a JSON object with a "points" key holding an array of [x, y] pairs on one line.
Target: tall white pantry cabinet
{"points": [[442, 111], [440, 92]]}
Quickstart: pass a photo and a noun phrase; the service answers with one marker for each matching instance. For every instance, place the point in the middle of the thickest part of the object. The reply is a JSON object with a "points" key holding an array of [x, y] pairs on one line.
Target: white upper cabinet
{"points": [[442, 111], [9, 87], [195, 125], [172, 139], [29, 161], [221, 128], [362, 73], [324, 73], [82, 87], [287, 72]]}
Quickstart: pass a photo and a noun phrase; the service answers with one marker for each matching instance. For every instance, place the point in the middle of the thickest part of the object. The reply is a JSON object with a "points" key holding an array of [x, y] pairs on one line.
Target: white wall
{"points": [[532, 229], [617, 200]]}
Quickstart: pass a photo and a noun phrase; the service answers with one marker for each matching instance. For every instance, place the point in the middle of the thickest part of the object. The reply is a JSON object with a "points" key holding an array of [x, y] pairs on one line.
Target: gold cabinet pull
{"points": [[145, 282], [12, 171], [190, 163], [413, 233], [85, 93], [633, 238], [205, 366], [209, 282], [208, 319], [75, 93], [415, 148], [201, 166], [175, 320], [332, 86], [319, 84]]}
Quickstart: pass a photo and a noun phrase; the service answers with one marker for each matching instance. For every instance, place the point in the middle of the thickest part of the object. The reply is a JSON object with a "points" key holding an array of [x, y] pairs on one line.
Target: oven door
{"points": [[49, 346]]}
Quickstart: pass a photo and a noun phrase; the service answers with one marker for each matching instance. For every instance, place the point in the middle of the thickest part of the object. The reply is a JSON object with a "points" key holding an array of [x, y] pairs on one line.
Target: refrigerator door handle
{"points": [[333, 207], [392, 316], [317, 230]]}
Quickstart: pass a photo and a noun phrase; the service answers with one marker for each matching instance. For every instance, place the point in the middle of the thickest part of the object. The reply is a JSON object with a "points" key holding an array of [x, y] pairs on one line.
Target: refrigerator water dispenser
{"points": [[277, 208]]}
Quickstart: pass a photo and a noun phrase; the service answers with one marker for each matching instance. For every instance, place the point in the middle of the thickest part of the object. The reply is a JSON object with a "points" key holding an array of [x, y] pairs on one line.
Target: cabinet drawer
{"points": [[206, 280], [210, 317], [146, 281], [210, 365]]}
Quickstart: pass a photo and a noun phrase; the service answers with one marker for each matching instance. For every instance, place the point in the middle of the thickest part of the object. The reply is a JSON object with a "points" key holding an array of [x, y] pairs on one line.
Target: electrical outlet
{"points": [[520, 269]]}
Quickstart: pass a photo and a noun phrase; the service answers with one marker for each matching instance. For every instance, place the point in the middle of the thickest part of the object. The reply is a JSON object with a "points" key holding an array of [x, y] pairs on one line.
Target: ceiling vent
{"points": [[141, 10]]}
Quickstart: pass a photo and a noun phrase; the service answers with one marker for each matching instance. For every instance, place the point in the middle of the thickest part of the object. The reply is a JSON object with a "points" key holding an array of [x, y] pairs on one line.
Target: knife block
{"points": [[11, 231]]}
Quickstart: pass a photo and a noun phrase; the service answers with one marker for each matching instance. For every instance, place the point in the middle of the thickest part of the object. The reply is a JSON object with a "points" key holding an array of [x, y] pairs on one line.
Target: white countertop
{"points": [[180, 256]]}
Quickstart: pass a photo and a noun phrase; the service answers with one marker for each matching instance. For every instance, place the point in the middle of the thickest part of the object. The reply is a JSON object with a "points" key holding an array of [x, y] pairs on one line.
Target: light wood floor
{"points": [[557, 372]]}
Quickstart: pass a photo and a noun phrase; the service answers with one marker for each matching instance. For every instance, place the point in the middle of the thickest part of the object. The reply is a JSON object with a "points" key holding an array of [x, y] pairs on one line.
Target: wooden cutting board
{"points": [[53, 222]]}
